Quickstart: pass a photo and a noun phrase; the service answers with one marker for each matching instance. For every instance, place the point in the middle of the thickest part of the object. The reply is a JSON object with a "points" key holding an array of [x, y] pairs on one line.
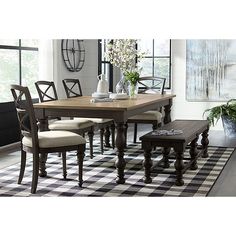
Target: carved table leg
{"points": [[113, 127], [193, 154], [165, 159], [167, 110], [147, 164], [205, 142], [107, 135], [179, 166], [125, 131], [120, 162]]}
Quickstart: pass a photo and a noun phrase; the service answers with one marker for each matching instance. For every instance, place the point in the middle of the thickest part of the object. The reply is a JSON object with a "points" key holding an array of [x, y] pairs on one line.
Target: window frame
{"points": [[153, 57], [20, 49], [101, 61]]}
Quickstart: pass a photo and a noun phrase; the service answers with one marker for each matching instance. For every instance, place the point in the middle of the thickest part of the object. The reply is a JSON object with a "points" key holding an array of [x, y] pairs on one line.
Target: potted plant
{"points": [[227, 112]]}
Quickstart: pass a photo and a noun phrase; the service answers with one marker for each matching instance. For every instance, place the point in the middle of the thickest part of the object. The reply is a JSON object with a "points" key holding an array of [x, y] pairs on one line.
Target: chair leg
{"points": [[107, 135], [135, 132], [80, 159], [22, 166], [90, 135], [113, 127], [64, 164], [35, 172], [101, 139]]}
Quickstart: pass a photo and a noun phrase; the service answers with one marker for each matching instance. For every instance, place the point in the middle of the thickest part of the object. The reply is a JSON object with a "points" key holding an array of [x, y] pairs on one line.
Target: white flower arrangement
{"points": [[123, 54]]}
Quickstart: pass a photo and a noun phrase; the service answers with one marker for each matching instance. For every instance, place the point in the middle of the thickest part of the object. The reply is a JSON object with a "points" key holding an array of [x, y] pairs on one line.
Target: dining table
{"points": [[118, 110]]}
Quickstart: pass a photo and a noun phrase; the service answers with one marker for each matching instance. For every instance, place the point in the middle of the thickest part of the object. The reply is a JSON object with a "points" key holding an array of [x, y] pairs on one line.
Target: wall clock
{"points": [[73, 54]]}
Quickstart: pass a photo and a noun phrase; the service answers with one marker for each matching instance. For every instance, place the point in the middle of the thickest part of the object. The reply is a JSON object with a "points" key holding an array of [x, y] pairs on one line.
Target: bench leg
{"points": [[179, 166], [147, 164], [165, 159], [193, 154], [205, 142]]}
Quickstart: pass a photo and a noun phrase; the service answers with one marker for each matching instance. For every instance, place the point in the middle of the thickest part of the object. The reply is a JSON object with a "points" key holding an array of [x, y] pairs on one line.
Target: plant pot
{"points": [[229, 126]]}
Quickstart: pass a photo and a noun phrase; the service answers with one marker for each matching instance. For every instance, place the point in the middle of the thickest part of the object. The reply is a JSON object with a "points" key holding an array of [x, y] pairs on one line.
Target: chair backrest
{"points": [[46, 91], [72, 88], [151, 85], [25, 113]]}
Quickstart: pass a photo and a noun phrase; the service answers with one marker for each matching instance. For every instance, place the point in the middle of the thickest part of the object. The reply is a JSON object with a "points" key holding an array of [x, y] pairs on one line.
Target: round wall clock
{"points": [[73, 54]]}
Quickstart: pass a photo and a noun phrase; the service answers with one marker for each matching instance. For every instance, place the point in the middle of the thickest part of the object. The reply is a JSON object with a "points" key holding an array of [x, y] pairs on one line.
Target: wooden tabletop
{"points": [[83, 102]]}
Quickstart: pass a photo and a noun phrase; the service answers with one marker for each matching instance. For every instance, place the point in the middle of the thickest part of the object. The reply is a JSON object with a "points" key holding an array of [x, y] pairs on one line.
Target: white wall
{"points": [[183, 109], [45, 59], [88, 74]]}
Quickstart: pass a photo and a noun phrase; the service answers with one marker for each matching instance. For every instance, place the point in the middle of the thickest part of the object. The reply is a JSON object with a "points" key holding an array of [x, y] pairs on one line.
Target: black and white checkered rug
{"points": [[100, 174]]}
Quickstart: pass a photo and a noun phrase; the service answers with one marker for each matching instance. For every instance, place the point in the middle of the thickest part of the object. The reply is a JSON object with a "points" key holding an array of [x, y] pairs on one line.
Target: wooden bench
{"points": [[191, 131]]}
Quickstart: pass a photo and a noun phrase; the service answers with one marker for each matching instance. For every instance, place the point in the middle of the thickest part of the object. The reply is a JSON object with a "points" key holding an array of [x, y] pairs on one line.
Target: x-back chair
{"points": [[42, 142], [73, 89], [47, 92], [148, 85]]}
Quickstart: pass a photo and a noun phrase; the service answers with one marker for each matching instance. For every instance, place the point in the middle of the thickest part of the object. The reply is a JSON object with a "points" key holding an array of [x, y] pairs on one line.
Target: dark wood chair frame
{"points": [[73, 89], [158, 85], [44, 97], [25, 111]]}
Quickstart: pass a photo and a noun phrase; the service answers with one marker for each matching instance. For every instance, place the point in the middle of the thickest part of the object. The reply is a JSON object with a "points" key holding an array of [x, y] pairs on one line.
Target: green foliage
{"points": [[132, 77], [228, 109]]}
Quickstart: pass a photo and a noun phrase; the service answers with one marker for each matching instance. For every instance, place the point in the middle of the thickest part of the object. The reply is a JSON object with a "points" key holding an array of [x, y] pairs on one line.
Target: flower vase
{"points": [[133, 90], [121, 86]]}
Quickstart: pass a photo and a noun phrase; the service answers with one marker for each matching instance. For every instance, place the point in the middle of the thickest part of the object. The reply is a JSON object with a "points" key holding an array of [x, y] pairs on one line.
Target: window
{"points": [[156, 62], [104, 66], [18, 65], [157, 59]]}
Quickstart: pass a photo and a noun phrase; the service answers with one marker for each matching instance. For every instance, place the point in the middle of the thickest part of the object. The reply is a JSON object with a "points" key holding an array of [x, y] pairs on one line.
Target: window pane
{"points": [[30, 43], [146, 65], [9, 42], [9, 73], [161, 69], [146, 46], [30, 71], [162, 47]]}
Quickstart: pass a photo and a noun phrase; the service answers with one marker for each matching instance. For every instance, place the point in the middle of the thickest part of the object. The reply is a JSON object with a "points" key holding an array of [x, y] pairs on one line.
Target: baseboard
{"points": [[10, 147]]}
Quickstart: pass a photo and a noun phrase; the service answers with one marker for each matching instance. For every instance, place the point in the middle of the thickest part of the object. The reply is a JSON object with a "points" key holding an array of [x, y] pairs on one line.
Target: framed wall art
{"points": [[210, 70]]}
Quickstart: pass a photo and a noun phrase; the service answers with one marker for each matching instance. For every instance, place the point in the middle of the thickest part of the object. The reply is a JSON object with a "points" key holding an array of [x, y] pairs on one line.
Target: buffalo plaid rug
{"points": [[100, 174]]}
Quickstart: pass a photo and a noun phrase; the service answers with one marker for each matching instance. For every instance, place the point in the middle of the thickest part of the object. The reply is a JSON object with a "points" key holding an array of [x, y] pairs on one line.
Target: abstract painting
{"points": [[211, 70]]}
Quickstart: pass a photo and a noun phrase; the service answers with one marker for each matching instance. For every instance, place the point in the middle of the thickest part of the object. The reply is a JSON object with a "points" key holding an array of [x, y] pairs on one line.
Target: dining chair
{"points": [[47, 92], [148, 85], [73, 89], [45, 142]]}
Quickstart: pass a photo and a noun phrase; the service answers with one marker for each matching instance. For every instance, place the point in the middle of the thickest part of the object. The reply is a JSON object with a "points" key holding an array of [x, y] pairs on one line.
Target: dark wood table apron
{"points": [[191, 131], [120, 111]]}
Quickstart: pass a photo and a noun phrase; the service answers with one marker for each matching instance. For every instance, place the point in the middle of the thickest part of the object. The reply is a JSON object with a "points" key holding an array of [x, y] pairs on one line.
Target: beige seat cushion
{"points": [[148, 115], [58, 138], [97, 120], [74, 124]]}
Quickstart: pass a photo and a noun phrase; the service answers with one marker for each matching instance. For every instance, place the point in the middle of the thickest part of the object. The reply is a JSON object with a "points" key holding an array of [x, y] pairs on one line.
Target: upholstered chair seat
{"points": [[74, 124], [148, 115], [51, 139], [99, 121]]}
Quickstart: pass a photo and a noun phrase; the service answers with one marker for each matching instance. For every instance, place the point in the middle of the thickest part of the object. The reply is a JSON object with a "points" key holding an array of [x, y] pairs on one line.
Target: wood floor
{"points": [[224, 186]]}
